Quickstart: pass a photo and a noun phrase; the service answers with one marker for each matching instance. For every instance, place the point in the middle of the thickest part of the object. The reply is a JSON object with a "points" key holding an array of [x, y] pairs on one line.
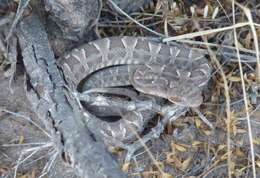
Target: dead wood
{"points": [[54, 105]]}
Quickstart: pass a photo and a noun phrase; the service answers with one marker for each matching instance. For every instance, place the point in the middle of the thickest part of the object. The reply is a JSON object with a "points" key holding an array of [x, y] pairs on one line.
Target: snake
{"points": [[173, 72]]}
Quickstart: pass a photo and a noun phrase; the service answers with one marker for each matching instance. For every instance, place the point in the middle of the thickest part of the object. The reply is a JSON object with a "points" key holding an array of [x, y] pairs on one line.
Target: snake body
{"points": [[153, 68]]}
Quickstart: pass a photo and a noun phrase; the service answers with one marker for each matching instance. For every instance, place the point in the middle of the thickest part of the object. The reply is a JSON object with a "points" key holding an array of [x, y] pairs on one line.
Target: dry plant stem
{"points": [[24, 144], [3, 49], [203, 118], [123, 22], [49, 164], [12, 57], [52, 102], [27, 119], [213, 169], [142, 143], [119, 104], [170, 113], [21, 7], [227, 96], [6, 19], [205, 32], [224, 10], [243, 81], [252, 26], [117, 91], [33, 151], [44, 156], [244, 58]]}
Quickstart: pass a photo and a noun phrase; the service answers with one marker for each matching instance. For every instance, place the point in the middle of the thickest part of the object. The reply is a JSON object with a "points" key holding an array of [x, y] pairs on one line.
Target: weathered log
{"points": [[57, 108]]}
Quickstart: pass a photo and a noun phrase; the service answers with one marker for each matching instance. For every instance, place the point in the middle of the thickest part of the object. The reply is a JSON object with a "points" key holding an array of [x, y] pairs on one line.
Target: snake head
{"points": [[185, 93], [180, 83]]}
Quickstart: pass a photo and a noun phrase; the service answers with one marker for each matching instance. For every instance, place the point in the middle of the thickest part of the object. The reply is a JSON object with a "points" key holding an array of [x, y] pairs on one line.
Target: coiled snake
{"points": [[174, 73]]}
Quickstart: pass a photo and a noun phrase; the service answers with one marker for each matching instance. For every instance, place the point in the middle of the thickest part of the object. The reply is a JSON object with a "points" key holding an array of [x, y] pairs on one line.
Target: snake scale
{"points": [[171, 72]]}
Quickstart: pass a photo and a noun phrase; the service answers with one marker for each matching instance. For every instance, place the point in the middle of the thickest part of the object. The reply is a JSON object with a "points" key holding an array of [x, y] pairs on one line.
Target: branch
{"points": [[79, 147]]}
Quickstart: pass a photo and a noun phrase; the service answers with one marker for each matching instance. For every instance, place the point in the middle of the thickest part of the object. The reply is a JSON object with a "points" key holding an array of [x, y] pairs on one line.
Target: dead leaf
{"points": [[159, 164], [207, 132], [198, 122], [166, 175], [178, 147], [256, 141], [21, 139], [23, 176], [234, 79], [186, 163], [258, 163], [126, 166], [221, 147], [170, 158], [196, 143]]}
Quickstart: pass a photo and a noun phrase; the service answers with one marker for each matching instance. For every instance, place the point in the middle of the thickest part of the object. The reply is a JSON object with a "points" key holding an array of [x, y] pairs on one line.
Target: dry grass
{"points": [[197, 25]]}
